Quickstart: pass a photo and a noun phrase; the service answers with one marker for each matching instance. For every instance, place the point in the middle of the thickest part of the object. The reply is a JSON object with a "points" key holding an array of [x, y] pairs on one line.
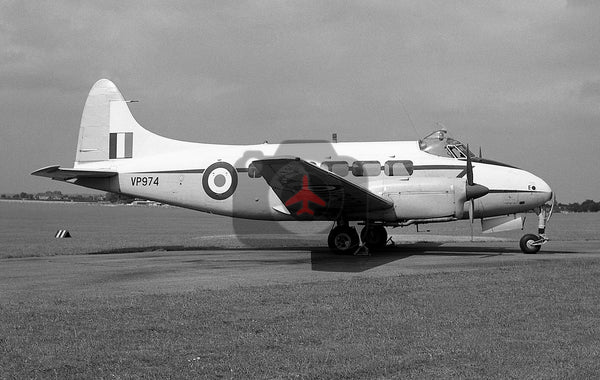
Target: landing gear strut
{"points": [[531, 243], [343, 239]]}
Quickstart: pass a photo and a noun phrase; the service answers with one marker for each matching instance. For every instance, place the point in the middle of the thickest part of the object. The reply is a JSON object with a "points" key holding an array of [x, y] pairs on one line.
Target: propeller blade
{"points": [[469, 168], [471, 212], [473, 190]]}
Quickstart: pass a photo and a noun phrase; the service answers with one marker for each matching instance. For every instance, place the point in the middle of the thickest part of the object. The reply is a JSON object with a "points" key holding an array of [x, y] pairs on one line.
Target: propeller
{"points": [[471, 210], [472, 189]]}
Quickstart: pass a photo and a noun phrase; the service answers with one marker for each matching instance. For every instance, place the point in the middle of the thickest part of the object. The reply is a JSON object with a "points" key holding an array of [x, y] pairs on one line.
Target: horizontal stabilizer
{"points": [[65, 174]]}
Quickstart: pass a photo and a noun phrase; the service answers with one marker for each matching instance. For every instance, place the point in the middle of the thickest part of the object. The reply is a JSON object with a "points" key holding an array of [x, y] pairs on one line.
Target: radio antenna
{"points": [[410, 119]]}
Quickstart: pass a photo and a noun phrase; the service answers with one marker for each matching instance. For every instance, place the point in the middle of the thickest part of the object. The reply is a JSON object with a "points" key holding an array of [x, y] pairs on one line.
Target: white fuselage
{"points": [[174, 174]]}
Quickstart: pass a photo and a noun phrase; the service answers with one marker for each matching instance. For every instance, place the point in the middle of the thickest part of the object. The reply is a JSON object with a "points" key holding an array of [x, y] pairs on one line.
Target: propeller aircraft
{"points": [[375, 184]]}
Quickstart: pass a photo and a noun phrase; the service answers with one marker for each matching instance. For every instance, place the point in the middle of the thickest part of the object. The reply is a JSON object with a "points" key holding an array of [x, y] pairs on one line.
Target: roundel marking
{"points": [[220, 180]]}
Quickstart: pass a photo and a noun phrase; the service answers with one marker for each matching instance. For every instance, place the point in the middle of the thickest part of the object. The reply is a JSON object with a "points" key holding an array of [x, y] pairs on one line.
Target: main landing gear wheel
{"points": [[343, 239], [528, 243], [374, 237]]}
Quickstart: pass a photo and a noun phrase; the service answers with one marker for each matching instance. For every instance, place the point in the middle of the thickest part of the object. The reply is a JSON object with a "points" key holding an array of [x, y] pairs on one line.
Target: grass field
{"points": [[537, 319], [518, 319]]}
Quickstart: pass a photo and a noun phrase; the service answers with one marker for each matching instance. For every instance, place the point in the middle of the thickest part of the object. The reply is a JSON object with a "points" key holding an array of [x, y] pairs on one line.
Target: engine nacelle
{"points": [[427, 198]]}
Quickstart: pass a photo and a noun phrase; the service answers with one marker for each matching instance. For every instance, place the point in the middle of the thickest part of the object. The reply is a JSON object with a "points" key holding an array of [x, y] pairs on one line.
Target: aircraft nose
{"points": [[543, 188]]}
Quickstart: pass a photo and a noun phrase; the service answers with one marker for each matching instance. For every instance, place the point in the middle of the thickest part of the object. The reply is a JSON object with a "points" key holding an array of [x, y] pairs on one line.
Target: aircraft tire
{"points": [[343, 239], [526, 246], [375, 237]]}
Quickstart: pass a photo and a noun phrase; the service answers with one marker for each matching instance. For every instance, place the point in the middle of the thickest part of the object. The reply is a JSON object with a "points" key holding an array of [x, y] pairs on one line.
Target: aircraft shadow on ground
{"points": [[323, 260]]}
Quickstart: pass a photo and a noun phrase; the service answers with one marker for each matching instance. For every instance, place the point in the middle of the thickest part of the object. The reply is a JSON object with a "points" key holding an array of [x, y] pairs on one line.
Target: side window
{"points": [[253, 171], [337, 167], [366, 168], [398, 168]]}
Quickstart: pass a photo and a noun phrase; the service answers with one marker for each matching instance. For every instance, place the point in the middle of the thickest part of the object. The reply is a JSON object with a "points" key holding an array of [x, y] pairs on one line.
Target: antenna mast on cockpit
{"points": [[410, 120]]}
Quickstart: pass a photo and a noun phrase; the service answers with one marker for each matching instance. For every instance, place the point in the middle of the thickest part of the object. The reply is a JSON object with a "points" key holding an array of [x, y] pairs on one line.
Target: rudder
{"points": [[106, 129]]}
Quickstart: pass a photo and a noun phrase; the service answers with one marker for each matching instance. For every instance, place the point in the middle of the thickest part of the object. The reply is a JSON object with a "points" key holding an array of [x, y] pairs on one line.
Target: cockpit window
{"points": [[441, 144], [457, 149], [454, 151]]}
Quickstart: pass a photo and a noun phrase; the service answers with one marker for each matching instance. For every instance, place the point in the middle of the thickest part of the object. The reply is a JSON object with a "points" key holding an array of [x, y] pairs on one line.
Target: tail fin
{"points": [[108, 131], [107, 126]]}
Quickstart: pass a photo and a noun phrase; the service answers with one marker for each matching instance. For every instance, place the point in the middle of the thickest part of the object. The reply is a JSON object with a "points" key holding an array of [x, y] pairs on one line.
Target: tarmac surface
{"points": [[164, 272]]}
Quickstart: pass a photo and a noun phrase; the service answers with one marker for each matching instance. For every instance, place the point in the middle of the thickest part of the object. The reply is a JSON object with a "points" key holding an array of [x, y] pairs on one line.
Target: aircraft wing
{"points": [[286, 176], [64, 174]]}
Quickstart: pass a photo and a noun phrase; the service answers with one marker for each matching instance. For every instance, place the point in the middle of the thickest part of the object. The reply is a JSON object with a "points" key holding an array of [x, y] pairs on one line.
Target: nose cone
{"points": [[544, 188], [541, 191]]}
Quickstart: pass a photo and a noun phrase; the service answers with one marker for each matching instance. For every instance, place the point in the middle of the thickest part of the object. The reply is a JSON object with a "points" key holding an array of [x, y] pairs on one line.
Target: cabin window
{"points": [[253, 171], [366, 168], [336, 167], [398, 168]]}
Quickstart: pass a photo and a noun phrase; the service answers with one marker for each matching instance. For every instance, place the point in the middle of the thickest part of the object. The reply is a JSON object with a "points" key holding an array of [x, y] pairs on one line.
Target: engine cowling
{"points": [[427, 198]]}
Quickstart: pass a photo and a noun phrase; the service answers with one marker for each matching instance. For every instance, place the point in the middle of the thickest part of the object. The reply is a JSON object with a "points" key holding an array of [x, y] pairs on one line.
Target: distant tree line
{"points": [[59, 196], [48, 196], [118, 198], [586, 206]]}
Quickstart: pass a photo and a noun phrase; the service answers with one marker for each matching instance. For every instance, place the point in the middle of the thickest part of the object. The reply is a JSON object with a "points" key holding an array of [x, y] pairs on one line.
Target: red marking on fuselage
{"points": [[305, 195]]}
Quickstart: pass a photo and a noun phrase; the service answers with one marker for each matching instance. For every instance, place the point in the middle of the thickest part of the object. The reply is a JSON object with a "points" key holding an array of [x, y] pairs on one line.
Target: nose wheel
{"points": [[531, 243]]}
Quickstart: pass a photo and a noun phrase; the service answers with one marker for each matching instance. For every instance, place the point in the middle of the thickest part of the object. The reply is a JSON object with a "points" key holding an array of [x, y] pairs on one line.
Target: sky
{"points": [[521, 79]]}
